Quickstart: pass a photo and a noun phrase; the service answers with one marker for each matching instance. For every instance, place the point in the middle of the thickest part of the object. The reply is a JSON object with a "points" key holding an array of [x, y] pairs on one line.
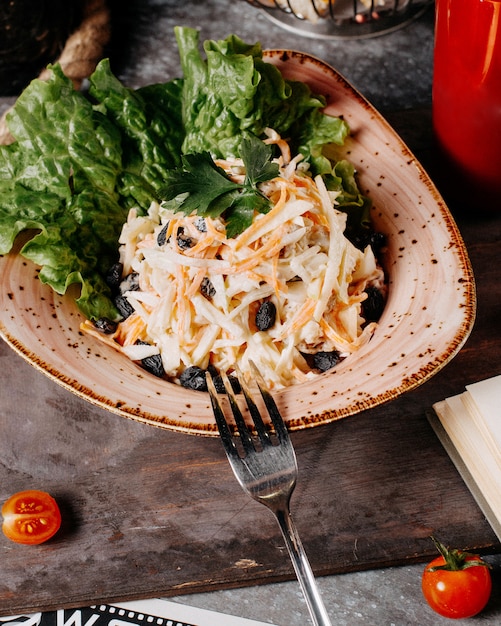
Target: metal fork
{"points": [[267, 471]]}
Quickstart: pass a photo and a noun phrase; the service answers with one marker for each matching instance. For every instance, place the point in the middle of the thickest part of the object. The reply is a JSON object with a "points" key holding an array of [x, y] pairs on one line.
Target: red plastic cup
{"points": [[467, 101]]}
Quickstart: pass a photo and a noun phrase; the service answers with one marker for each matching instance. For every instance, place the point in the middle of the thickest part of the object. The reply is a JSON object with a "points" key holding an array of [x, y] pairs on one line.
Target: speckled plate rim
{"points": [[428, 317]]}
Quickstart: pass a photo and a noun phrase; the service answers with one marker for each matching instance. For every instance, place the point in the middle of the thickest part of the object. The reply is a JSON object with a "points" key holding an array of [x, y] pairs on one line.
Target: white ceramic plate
{"points": [[428, 316]]}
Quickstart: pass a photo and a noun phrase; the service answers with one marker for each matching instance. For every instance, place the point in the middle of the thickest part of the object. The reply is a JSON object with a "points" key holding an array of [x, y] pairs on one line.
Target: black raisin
{"points": [[124, 307], [266, 315], [162, 235], [207, 288], [324, 361], [373, 305], [105, 325], [130, 283], [201, 225], [154, 365], [375, 240], [114, 276], [378, 242], [183, 241], [193, 377]]}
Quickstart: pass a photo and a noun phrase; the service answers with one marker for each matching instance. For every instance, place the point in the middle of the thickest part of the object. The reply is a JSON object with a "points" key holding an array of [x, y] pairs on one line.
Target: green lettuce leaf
{"points": [[80, 161], [59, 177], [350, 200], [149, 121], [233, 92], [76, 167], [315, 135]]}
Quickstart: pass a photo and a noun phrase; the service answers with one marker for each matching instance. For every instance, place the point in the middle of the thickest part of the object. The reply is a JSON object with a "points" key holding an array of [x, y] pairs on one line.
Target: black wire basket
{"points": [[342, 19]]}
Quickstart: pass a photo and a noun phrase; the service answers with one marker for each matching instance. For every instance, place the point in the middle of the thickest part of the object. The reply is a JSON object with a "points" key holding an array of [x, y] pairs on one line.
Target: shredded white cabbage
{"points": [[196, 304]]}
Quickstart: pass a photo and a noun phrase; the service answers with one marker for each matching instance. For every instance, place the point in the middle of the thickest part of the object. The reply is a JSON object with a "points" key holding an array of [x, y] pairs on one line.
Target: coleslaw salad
{"points": [[196, 303]]}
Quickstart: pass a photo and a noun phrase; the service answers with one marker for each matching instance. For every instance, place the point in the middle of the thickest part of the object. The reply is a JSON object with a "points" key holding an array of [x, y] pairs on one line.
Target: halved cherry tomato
{"points": [[30, 517], [456, 584]]}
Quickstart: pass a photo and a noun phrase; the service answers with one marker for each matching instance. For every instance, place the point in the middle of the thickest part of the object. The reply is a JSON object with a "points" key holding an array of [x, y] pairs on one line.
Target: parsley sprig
{"points": [[210, 192]]}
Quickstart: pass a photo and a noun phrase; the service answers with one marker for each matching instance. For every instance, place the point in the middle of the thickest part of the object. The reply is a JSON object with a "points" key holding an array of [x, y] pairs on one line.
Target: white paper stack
{"points": [[469, 427]]}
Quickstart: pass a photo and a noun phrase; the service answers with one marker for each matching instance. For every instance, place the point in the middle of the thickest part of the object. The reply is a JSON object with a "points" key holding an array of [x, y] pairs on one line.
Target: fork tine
{"points": [[275, 415], [245, 435], [262, 431], [222, 424]]}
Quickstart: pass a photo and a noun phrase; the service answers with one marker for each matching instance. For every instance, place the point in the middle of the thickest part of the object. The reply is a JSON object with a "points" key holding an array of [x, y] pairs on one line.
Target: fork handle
{"points": [[302, 568]]}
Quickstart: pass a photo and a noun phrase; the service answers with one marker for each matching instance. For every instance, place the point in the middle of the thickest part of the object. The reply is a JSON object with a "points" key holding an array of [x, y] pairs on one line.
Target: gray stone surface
{"points": [[386, 597], [393, 71]]}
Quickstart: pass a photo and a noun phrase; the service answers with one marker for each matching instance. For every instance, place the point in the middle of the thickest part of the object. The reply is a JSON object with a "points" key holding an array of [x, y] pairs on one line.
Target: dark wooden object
{"points": [[32, 34], [149, 512]]}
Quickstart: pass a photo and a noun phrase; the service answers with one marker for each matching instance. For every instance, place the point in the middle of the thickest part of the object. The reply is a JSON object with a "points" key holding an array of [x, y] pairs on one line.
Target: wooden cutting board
{"points": [[149, 512]]}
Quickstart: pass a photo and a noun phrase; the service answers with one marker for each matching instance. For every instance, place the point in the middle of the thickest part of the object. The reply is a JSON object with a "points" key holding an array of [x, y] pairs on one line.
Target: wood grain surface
{"points": [[149, 512]]}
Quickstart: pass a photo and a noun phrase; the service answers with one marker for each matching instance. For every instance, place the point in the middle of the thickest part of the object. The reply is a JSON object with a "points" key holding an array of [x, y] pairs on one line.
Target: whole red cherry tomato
{"points": [[456, 584], [30, 517]]}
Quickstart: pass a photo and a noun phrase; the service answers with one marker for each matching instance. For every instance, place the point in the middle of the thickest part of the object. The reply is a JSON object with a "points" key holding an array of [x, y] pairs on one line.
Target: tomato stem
{"points": [[456, 559]]}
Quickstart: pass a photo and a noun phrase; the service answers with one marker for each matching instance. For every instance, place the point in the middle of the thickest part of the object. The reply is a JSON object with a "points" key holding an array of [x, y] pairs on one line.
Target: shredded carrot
{"points": [[197, 281], [131, 329], [200, 248], [267, 250], [303, 316], [277, 286], [340, 343]]}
